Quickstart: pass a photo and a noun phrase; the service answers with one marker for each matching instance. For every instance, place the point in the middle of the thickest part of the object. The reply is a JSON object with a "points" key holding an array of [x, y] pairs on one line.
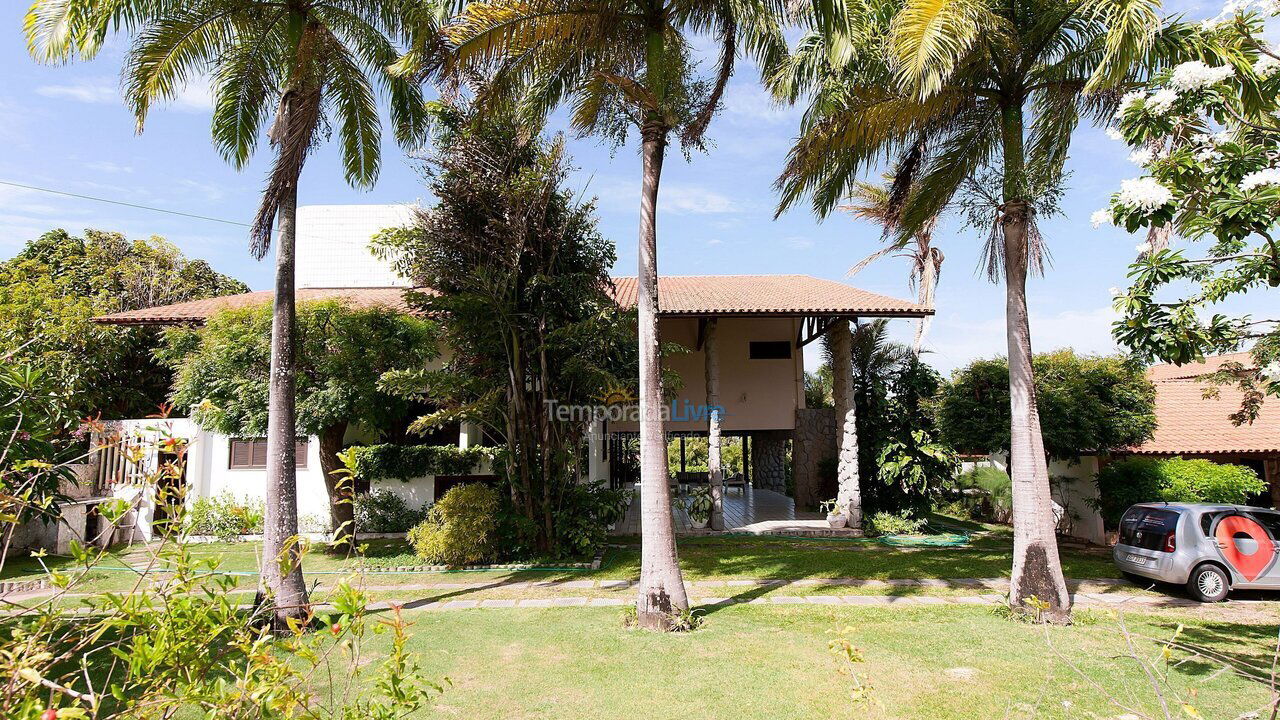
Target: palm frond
{"points": [[930, 38], [1131, 28]]}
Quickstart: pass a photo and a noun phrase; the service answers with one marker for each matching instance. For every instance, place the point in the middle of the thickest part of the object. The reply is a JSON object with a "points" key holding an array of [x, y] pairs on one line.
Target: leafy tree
{"points": [[1089, 404], [316, 63], [223, 370], [520, 283], [54, 287], [1138, 479], [1207, 133], [973, 100], [622, 65]]}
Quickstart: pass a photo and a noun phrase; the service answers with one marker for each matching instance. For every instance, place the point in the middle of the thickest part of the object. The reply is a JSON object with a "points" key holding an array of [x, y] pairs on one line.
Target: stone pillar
{"points": [[769, 459], [849, 493], [716, 473], [597, 442], [813, 446]]}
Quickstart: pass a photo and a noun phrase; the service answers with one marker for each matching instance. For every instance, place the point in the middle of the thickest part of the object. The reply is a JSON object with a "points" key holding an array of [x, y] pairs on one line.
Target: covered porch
{"points": [[746, 510]]}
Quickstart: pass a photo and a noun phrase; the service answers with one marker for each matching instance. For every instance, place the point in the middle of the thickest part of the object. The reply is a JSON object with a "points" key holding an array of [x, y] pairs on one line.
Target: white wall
{"points": [[1072, 487], [333, 245]]}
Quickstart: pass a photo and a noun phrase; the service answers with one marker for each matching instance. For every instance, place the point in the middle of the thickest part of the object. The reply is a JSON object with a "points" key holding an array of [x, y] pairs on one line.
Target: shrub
{"points": [[382, 511], [224, 517], [582, 521], [989, 493], [405, 462], [887, 523], [460, 527], [1136, 479]]}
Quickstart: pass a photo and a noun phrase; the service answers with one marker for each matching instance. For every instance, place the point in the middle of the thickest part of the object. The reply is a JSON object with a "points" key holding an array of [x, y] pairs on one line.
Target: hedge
{"points": [[405, 462], [1136, 480]]}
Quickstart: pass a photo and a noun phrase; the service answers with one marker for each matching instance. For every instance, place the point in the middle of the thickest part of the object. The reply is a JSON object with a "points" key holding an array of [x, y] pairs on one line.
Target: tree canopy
{"points": [[1087, 404], [51, 290]]}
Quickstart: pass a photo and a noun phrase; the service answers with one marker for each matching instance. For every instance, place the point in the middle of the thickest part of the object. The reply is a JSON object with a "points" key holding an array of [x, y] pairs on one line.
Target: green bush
{"points": [[224, 517], [406, 462], [887, 523], [989, 493], [1136, 479], [582, 521], [382, 511], [460, 527]]}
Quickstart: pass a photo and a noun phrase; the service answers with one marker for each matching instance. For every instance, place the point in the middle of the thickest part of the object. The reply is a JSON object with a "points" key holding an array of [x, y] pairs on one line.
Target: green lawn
{"points": [[703, 558], [774, 662]]}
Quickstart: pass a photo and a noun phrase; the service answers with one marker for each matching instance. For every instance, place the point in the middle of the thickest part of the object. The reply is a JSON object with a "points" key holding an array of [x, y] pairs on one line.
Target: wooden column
{"points": [[849, 492], [715, 472]]}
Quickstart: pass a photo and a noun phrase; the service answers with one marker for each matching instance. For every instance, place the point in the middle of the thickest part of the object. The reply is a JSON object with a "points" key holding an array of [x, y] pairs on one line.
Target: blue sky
{"points": [[66, 128]]}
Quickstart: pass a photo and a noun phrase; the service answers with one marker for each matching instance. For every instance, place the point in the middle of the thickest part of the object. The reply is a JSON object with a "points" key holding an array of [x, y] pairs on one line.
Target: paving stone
{"points": [[535, 603], [864, 600], [496, 603], [715, 601], [580, 584], [615, 583], [739, 583], [568, 602], [608, 602], [460, 604], [928, 600], [787, 600], [822, 600]]}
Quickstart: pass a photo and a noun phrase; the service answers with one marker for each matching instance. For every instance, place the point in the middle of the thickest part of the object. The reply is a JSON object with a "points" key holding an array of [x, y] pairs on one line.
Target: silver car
{"points": [[1212, 549]]}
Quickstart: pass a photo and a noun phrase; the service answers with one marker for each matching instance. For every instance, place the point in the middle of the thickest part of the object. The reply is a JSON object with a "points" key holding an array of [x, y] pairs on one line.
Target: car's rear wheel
{"points": [[1209, 583]]}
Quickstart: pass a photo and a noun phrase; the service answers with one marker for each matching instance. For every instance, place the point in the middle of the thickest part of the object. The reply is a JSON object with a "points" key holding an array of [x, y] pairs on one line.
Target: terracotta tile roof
{"points": [[1193, 370], [778, 295], [1190, 423], [196, 311]]}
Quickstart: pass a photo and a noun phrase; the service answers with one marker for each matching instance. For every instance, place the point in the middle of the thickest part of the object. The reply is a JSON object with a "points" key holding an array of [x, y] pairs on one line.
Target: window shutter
{"points": [[259, 453], [240, 453], [300, 450]]}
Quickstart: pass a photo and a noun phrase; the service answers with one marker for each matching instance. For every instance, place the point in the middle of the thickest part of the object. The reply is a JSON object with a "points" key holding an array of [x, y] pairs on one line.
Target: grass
{"points": [[773, 662]]}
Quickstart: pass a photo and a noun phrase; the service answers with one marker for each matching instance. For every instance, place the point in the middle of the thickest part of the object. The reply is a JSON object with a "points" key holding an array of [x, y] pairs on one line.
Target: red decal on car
{"points": [[1245, 545]]}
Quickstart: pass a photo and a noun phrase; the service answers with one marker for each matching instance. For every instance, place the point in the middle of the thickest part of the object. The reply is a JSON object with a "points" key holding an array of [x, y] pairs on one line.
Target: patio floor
{"points": [[748, 510]]}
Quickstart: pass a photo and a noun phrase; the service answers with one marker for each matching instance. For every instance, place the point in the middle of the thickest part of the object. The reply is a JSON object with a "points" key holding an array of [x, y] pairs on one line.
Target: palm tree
{"points": [[979, 96], [305, 62], [621, 64], [873, 202]]}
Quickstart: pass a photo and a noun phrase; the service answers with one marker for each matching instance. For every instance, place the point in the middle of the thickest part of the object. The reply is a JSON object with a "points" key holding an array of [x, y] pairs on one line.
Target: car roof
{"points": [[1200, 507]]}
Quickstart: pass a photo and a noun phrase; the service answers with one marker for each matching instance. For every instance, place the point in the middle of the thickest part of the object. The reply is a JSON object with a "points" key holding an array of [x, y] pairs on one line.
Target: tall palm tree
{"points": [[304, 62], [978, 95], [620, 64], [874, 203]]}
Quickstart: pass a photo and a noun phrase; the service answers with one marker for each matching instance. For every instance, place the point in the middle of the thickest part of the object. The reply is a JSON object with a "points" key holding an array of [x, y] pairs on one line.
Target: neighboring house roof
{"points": [[765, 295], [1193, 424], [196, 312], [740, 295]]}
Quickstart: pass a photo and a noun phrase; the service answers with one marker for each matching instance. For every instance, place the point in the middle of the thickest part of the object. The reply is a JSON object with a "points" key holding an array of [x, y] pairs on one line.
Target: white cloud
{"points": [[752, 103], [715, 241], [954, 341], [106, 166], [194, 97], [694, 200], [799, 242]]}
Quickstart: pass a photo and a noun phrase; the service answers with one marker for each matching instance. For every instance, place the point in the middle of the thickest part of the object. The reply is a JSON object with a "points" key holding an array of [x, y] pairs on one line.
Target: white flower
{"points": [[1142, 157], [1130, 99], [1208, 155], [1266, 66], [1195, 75], [1259, 178], [1146, 194], [1143, 249], [1100, 218], [1115, 292], [1272, 371], [1114, 133], [1162, 101]]}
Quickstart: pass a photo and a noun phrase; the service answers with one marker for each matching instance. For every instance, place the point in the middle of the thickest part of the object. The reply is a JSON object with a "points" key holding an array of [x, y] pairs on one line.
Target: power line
{"points": [[124, 204]]}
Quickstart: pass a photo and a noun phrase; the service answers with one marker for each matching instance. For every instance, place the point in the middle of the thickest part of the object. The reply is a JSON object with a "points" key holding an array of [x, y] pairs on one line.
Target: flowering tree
{"points": [[1207, 136]]}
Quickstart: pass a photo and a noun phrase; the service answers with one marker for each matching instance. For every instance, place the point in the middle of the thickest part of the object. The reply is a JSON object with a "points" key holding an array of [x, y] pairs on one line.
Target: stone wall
{"points": [[769, 459], [813, 441]]}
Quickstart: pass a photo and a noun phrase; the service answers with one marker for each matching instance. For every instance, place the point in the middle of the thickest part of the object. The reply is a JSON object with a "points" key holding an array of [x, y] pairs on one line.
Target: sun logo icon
{"points": [[616, 394]]}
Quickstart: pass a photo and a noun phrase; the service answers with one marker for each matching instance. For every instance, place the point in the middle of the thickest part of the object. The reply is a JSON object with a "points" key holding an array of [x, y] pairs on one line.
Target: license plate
{"points": [[1137, 559]]}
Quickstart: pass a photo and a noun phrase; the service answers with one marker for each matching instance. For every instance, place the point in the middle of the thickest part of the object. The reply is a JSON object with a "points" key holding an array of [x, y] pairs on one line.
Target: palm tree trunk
{"points": [[848, 486], [715, 473], [1037, 571], [661, 592], [282, 560], [341, 491]]}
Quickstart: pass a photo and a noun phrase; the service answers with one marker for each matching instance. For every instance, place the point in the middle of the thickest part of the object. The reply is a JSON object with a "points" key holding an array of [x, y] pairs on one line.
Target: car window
{"points": [[1269, 520], [1207, 520], [1146, 527]]}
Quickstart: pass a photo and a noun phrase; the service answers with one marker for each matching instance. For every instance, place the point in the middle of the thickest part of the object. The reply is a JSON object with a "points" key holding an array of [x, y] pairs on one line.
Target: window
{"points": [[770, 350], [251, 453]]}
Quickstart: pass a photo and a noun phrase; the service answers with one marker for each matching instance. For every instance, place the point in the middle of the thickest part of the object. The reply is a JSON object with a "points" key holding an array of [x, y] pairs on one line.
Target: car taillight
{"points": [[1170, 541]]}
